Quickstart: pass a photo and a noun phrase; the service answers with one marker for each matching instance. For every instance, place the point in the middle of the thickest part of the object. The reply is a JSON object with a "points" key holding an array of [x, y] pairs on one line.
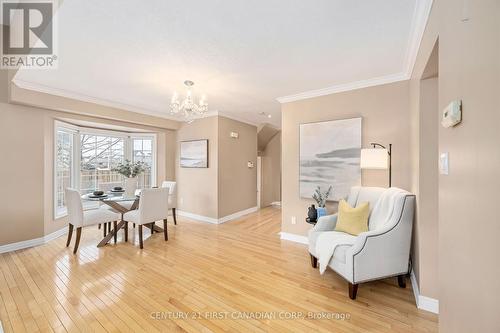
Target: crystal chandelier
{"points": [[188, 108]]}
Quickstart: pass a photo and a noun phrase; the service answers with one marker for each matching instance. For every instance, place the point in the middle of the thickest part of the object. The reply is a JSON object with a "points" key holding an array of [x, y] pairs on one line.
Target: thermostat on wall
{"points": [[452, 114]]}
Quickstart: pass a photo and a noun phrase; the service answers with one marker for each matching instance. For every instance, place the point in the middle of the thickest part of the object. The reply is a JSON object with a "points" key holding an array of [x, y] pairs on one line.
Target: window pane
{"points": [[64, 162], [99, 155], [143, 152]]}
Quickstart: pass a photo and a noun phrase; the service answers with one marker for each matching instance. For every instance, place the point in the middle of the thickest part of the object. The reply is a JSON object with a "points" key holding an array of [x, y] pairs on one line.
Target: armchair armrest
{"points": [[326, 223]]}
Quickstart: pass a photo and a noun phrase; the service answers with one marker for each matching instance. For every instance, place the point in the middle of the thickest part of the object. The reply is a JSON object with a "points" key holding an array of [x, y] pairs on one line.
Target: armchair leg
{"points": [[402, 281], [140, 236], [70, 233], [175, 216], [353, 290], [126, 231], [77, 241], [314, 261]]}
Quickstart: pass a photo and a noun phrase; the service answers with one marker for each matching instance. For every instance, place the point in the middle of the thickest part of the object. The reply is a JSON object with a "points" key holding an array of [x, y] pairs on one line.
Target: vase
{"points": [[321, 211], [131, 185]]}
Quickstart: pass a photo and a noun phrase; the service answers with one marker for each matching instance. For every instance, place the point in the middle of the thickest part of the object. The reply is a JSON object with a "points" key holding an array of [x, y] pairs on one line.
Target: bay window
{"points": [[85, 158]]}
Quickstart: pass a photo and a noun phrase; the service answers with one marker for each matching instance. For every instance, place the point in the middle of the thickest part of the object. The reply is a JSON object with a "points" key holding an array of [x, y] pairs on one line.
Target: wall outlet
{"points": [[294, 220]]}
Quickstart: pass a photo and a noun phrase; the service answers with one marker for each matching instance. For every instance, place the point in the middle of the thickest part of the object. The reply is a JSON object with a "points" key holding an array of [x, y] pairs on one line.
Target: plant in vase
{"points": [[130, 170], [320, 197]]}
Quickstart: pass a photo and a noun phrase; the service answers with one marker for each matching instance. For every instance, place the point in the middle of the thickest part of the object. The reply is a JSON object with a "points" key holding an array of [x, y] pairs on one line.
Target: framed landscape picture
{"points": [[329, 156], [194, 154]]}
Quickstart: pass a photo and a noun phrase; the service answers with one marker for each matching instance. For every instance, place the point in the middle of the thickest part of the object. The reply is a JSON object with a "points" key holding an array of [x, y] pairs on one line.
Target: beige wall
{"points": [[237, 182], [385, 113], [469, 69], [271, 172], [198, 187], [227, 186]]}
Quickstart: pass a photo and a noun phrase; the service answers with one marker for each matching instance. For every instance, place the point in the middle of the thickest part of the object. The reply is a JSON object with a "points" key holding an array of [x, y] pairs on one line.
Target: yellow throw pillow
{"points": [[353, 220]]}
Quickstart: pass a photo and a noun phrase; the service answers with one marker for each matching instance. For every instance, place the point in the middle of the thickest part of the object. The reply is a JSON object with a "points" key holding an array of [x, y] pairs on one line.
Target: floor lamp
{"points": [[377, 157]]}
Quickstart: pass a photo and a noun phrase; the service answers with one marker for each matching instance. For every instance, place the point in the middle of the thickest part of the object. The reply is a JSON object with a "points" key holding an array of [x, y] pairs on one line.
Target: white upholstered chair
{"points": [[79, 218], [153, 206], [172, 197], [383, 250]]}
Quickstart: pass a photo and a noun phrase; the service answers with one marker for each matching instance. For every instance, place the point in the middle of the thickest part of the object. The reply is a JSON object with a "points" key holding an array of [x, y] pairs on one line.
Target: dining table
{"points": [[116, 201]]}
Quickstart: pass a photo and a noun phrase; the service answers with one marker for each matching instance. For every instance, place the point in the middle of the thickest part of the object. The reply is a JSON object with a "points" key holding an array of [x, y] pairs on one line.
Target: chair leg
{"points": [[140, 236], [78, 235], [104, 227], [99, 226], [116, 231], [152, 228], [353, 290], [109, 226], [165, 232], [133, 225], [126, 231], [175, 216], [402, 281], [314, 261], [70, 234]]}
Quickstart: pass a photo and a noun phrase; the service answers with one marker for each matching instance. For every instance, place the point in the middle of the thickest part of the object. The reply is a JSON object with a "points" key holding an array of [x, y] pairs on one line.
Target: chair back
{"points": [[153, 204], [386, 204], [171, 186], [74, 206]]}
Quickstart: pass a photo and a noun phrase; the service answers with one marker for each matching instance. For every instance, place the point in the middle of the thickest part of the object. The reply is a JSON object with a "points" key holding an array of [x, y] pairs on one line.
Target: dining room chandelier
{"points": [[187, 107]]}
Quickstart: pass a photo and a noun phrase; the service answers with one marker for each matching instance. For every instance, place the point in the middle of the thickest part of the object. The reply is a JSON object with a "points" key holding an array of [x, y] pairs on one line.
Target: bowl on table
{"points": [[98, 193]]}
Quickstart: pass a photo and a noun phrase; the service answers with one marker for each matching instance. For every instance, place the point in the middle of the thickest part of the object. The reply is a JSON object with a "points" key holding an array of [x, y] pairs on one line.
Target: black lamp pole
{"points": [[389, 151]]}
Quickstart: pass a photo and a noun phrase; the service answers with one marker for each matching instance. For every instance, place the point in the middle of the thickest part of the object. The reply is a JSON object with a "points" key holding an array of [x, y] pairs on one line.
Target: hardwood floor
{"points": [[214, 275]]}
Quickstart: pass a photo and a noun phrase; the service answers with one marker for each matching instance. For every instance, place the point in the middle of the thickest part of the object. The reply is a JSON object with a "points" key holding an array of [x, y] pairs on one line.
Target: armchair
{"points": [[383, 250]]}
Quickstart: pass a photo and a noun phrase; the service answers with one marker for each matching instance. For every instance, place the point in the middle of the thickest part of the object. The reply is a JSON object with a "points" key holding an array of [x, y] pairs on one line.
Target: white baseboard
{"points": [[423, 302], [32, 242], [276, 203], [294, 238], [197, 217], [239, 214], [213, 220]]}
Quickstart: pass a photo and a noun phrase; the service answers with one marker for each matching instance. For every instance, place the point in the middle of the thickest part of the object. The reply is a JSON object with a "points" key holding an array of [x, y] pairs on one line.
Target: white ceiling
{"points": [[242, 54]]}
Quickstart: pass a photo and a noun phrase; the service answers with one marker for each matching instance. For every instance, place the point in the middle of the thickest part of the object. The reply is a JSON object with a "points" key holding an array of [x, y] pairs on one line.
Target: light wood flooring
{"points": [[206, 278]]}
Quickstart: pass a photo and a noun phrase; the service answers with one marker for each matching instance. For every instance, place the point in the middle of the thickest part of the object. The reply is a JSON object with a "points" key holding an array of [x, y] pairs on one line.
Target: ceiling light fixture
{"points": [[188, 107]]}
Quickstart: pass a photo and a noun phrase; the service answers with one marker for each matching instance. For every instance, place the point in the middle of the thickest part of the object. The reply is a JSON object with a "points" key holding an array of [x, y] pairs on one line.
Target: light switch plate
{"points": [[444, 164], [294, 220]]}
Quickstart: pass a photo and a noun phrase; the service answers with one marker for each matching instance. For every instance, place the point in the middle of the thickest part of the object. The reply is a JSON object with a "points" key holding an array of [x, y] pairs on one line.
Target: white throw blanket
{"points": [[327, 243]]}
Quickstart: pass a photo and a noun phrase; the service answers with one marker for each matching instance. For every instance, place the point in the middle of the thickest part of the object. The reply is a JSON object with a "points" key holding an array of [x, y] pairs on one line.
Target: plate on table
{"points": [[117, 191], [98, 196]]}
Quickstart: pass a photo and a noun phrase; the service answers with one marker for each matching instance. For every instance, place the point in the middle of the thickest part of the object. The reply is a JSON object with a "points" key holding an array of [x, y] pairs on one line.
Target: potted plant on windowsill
{"points": [[320, 197], [130, 170]]}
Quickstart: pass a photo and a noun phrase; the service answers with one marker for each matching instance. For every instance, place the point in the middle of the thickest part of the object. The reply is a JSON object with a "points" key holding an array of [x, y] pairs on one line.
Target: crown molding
{"points": [[419, 21], [114, 104], [91, 99], [343, 87], [230, 116]]}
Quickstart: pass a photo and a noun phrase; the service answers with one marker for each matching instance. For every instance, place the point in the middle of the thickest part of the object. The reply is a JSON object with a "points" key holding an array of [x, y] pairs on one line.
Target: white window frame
{"points": [[76, 155]]}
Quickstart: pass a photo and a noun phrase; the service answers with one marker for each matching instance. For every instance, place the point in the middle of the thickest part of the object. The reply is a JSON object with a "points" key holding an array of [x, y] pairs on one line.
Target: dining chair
{"points": [[172, 197], [79, 218], [153, 206]]}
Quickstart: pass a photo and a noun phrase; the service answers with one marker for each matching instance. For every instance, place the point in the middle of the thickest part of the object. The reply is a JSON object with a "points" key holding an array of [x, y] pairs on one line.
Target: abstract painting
{"points": [[329, 156], [194, 154]]}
